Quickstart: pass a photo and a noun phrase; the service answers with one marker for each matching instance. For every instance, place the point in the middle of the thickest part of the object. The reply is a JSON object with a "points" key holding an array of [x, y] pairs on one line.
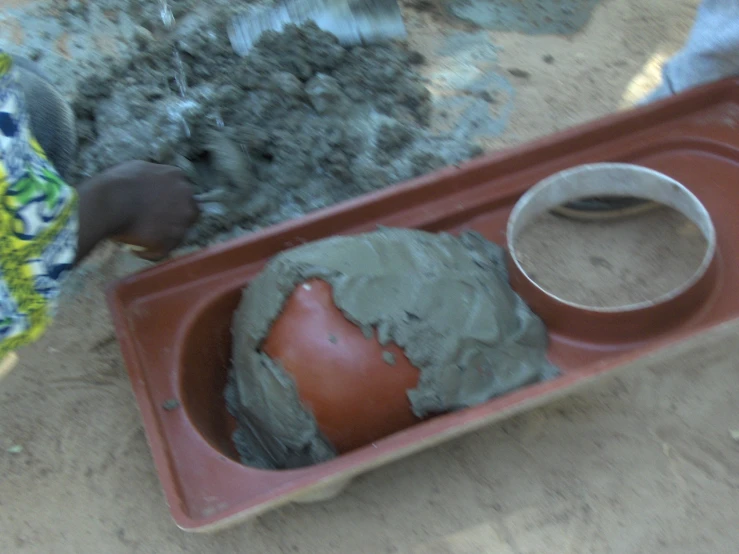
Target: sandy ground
{"points": [[643, 462], [612, 263]]}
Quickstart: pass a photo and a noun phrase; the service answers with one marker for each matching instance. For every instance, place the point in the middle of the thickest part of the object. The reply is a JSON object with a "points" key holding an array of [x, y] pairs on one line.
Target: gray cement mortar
{"points": [[444, 300], [297, 125]]}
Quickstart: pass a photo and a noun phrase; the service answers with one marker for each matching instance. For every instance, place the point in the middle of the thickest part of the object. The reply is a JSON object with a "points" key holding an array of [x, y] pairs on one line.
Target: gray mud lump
{"points": [[444, 300], [299, 124]]}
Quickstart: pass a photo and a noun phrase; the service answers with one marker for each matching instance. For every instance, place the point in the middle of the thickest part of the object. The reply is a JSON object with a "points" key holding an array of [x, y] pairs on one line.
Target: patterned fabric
{"points": [[38, 223]]}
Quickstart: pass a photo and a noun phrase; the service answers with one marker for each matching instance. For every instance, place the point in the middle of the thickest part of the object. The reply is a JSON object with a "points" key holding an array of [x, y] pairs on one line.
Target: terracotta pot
{"points": [[356, 396]]}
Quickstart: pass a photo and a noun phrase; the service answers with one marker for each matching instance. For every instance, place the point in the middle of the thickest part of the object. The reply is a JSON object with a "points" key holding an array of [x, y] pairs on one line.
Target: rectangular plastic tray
{"points": [[693, 138]]}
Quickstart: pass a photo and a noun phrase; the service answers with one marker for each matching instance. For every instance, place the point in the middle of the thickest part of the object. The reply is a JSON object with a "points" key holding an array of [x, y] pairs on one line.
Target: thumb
{"points": [[143, 252]]}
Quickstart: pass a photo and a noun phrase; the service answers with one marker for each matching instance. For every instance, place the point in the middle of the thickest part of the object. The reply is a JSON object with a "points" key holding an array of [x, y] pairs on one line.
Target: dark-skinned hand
{"points": [[145, 205]]}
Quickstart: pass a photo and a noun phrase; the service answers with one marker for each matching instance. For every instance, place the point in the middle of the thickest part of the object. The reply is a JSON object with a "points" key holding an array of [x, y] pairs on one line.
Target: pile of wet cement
{"points": [[298, 124], [444, 300]]}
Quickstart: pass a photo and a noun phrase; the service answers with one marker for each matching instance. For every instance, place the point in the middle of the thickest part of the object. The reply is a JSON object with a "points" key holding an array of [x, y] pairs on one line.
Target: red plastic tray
{"points": [[173, 320]]}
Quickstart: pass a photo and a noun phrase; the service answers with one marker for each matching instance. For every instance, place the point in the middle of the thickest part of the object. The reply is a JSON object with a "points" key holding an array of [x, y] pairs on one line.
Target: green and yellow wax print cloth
{"points": [[38, 223]]}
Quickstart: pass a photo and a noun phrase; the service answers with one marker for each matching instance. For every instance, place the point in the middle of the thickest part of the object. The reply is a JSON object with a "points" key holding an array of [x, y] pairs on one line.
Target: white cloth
{"points": [[711, 52]]}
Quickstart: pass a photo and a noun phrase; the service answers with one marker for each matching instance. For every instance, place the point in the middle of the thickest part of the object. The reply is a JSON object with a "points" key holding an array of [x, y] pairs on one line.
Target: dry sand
{"points": [[612, 263], [643, 462]]}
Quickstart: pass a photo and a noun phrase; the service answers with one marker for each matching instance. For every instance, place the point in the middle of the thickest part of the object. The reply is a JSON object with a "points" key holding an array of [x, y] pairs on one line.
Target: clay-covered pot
{"points": [[355, 387]]}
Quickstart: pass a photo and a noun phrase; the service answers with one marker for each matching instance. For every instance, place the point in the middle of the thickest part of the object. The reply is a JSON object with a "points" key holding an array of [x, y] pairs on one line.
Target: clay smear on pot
{"points": [[444, 300], [612, 263]]}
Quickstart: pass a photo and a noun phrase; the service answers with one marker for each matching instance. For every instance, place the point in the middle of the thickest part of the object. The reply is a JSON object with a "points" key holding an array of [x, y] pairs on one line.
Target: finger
{"points": [[151, 255], [172, 239], [179, 237], [193, 207], [195, 210]]}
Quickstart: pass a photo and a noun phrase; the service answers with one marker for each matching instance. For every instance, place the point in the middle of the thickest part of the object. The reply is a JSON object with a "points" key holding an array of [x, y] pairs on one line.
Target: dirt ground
{"points": [[643, 462]]}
